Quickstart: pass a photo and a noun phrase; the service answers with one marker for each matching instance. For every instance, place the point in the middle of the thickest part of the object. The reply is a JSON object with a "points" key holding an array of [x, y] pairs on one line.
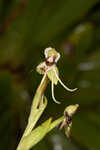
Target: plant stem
{"points": [[37, 107], [56, 123]]}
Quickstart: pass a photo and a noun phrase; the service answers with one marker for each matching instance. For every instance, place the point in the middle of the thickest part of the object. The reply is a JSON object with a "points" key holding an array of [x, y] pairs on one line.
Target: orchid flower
{"points": [[48, 68], [67, 122]]}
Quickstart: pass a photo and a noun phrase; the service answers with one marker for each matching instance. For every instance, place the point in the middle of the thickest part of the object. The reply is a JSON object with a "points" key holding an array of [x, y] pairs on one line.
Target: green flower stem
{"points": [[35, 136], [56, 123], [38, 134], [37, 108], [37, 103]]}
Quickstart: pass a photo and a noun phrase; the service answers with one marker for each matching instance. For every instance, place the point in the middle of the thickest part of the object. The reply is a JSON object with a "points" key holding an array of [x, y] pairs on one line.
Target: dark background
{"points": [[27, 27]]}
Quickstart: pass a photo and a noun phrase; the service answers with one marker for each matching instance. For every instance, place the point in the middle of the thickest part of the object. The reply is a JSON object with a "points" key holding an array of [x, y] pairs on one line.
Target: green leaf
{"points": [[34, 116], [35, 136]]}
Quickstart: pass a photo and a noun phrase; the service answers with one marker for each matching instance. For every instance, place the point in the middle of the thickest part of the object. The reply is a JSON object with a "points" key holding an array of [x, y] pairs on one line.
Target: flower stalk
{"points": [[37, 108]]}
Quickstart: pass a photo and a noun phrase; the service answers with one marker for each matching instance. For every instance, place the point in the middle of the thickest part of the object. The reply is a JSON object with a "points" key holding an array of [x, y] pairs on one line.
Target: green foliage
{"points": [[28, 26], [35, 136]]}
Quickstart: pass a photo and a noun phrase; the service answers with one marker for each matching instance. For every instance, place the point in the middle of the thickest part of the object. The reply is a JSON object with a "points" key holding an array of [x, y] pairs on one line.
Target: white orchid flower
{"points": [[48, 68]]}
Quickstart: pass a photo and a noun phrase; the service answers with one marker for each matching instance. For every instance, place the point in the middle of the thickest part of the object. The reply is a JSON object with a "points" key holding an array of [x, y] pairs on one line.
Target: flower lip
{"points": [[50, 60]]}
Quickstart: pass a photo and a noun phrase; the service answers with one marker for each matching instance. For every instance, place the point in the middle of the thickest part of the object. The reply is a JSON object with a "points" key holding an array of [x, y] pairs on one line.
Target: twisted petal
{"points": [[68, 89]]}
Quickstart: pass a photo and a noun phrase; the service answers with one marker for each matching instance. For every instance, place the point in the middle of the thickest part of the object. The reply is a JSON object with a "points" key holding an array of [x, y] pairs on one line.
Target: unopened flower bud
{"points": [[71, 109]]}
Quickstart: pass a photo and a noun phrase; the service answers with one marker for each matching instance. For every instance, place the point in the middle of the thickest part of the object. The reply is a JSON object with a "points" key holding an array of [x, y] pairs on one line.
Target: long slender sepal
{"points": [[68, 89], [52, 90]]}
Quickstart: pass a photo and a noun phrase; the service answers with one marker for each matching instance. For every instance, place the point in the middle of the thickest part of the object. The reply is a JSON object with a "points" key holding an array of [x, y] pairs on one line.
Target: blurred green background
{"points": [[27, 27]]}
